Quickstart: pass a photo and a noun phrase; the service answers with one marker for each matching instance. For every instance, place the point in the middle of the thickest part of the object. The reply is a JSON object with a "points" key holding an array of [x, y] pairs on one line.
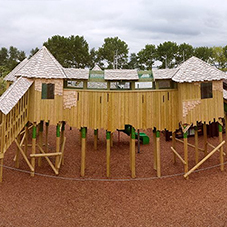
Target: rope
{"points": [[109, 180]]}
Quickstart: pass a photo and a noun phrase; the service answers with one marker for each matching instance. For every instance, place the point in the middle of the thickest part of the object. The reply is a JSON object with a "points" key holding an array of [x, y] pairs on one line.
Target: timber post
{"points": [[58, 138], [62, 139], [221, 148], [185, 136], [46, 138], [17, 157], [174, 147], [40, 140], [133, 152], [83, 151], [205, 137], [111, 139], [196, 145], [155, 149], [26, 140], [158, 155], [95, 139], [33, 148], [108, 145]]}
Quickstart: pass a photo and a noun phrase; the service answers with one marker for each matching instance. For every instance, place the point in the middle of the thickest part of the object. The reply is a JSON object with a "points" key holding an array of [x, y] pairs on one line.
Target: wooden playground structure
{"points": [[41, 93]]}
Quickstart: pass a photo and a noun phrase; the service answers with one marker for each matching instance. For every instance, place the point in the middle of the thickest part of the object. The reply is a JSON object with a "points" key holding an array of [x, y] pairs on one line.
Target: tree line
{"points": [[73, 51]]}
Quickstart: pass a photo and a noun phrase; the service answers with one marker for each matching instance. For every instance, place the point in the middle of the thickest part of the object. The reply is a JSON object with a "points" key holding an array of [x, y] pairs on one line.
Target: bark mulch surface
{"points": [[69, 200]]}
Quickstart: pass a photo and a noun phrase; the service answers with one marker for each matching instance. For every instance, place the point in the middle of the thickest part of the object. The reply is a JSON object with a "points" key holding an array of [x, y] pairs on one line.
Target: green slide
{"points": [[143, 137]]}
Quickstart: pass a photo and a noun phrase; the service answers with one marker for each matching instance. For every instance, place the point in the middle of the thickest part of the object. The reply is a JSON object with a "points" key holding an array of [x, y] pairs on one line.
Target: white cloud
{"points": [[26, 24]]}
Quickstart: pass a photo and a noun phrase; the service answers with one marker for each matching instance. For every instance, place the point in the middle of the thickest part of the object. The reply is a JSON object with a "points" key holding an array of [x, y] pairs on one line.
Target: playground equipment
{"points": [[143, 137], [41, 92]]}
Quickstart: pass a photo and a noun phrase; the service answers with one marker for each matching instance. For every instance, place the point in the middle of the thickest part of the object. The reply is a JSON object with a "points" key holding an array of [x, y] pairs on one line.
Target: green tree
{"points": [[70, 52], [133, 62], [33, 51], [167, 54], [146, 57], [219, 58], [115, 52], [204, 53], [185, 51]]}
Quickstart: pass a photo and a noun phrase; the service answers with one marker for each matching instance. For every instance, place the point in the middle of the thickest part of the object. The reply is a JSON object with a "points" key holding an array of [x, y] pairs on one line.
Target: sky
{"points": [[27, 24]]}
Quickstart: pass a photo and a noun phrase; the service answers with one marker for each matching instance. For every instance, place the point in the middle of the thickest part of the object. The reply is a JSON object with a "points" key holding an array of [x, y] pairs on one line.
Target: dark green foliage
{"points": [[115, 52], [146, 57], [167, 54], [70, 52]]}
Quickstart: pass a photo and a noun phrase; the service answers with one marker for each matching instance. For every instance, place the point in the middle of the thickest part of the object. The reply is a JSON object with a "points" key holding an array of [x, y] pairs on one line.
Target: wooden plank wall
{"points": [[12, 123], [46, 109], [198, 109], [111, 110]]}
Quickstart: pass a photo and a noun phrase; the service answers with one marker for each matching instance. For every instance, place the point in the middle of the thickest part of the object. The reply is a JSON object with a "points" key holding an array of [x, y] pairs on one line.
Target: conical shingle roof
{"points": [[11, 76], [42, 65], [195, 70]]}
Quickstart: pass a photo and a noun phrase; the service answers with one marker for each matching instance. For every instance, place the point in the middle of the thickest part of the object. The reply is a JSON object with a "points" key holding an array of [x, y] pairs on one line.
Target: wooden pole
{"points": [[130, 148], [205, 138], [46, 138], [185, 135], [26, 140], [83, 151], [138, 140], [174, 147], [155, 149], [40, 140], [158, 154], [133, 152], [221, 149], [226, 130], [95, 139], [203, 160], [108, 135], [196, 145], [33, 148], [111, 139], [17, 157], [1, 167], [58, 138], [119, 137], [62, 140]]}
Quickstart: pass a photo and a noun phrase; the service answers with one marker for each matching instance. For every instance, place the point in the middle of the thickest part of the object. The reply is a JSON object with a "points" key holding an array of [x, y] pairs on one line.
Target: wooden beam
{"points": [[46, 138], [44, 155], [62, 153], [177, 155], [40, 141], [17, 156], [48, 160], [24, 156], [108, 145], [158, 154], [204, 159], [221, 148], [26, 140], [196, 145], [155, 149], [174, 147], [58, 138], [185, 135], [205, 137], [133, 152], [189, 144], [62, 141], [33, 149], [83, 151], [111, 139]]}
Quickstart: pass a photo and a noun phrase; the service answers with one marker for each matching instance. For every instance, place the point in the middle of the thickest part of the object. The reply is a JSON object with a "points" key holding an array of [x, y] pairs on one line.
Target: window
{"points": [[143, 85], [164, 84], [120, 85], [206, 90], [47, 91]]}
